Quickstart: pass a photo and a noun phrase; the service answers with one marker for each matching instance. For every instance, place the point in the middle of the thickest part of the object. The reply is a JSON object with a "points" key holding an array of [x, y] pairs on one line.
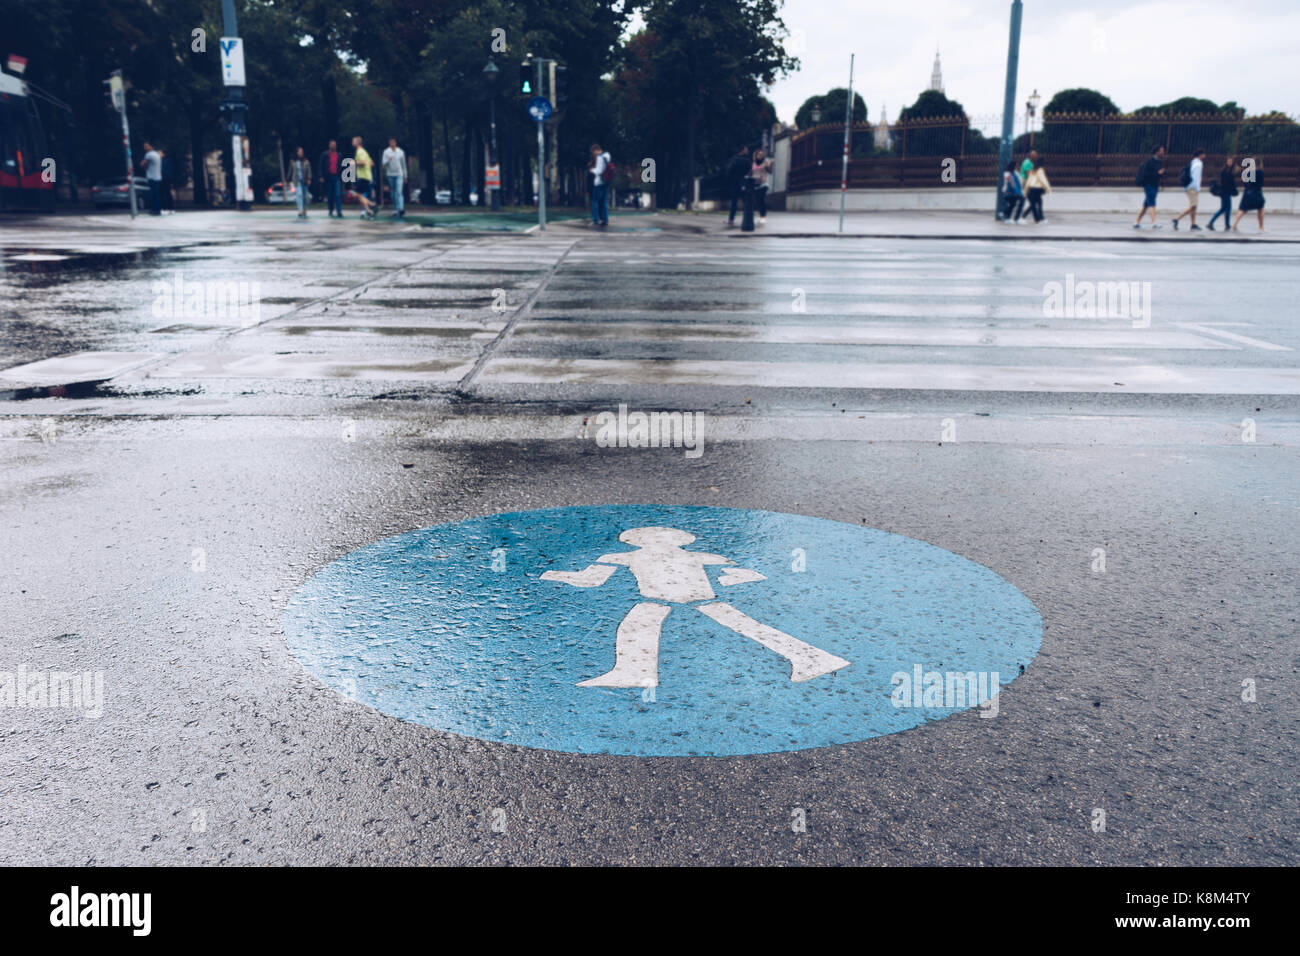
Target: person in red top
{"points": [[331, 172]]}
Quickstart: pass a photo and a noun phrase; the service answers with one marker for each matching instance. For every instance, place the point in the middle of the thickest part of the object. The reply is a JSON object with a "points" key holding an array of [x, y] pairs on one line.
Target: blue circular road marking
{"points": [[662, 630]]}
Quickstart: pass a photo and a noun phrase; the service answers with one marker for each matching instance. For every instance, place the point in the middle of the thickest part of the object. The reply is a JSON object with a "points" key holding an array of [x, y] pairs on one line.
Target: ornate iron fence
{"points": [[1076, 149]]}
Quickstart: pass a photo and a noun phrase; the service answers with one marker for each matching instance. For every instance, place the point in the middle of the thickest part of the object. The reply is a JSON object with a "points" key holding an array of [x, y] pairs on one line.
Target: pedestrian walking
{"points": [[762, 173], [736, 171], [365, 177], [331, 171], [1013, 194], [1225, 189], [602, 174], [165, 186], [1037, 186], [393, 161], [152, 165], [1027, 164], [1190, 180], [1252, 197], [300, 177], [1148, 177]]}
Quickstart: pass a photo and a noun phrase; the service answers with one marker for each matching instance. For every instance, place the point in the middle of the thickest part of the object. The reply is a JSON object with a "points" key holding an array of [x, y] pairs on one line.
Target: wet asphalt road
{"points": [[217, 746]]}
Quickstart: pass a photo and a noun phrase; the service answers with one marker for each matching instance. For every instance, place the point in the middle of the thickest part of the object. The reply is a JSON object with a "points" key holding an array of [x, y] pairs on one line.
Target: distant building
{"points": [[936, 75], [883, 139]]}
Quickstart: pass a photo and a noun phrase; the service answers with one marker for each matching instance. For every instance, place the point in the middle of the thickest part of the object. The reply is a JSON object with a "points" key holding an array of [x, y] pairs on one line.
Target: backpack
{"points": [[607, 174], [1185, 177], [1140, 179]]}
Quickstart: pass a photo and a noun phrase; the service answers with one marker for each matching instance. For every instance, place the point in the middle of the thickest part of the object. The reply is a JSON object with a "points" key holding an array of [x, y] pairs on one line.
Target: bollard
{"points": [[747, 222]]}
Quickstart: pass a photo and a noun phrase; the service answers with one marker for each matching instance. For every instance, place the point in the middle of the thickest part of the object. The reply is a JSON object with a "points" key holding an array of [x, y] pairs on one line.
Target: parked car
{"points": [[275, 193], [112, 192], [448, 197]]}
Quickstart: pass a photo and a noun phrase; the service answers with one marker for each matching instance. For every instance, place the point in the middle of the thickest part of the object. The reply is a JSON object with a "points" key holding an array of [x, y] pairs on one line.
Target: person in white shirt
{"points": [[1193, 189], [599, 187], [152, 164], [394, 162]]}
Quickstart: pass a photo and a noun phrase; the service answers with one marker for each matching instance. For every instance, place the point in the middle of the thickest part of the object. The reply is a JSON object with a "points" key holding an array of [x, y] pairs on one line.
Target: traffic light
{"points": [[526, 77], [559, 85]]}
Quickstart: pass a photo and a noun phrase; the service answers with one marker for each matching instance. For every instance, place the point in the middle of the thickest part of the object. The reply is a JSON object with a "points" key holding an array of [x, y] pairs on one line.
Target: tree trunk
{"points": [[428, 179], [330, 103], [446, 152], [691, 122], [199, 170], [465, 161]]}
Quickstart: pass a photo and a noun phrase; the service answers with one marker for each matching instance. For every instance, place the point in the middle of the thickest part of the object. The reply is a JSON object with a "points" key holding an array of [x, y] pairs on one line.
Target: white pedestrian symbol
{"points": [[666, 572]]}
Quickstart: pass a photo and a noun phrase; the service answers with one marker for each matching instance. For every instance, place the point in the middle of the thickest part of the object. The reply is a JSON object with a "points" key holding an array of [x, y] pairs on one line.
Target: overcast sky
{"points": [[1137, 53]]}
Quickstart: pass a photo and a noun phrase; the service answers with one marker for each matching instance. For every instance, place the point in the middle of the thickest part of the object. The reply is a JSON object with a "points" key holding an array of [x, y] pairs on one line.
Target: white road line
{"points": [[1233, 336]]}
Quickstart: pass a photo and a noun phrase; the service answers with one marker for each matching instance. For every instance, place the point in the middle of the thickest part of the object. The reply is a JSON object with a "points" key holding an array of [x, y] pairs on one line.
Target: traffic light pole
{"points": [[237, 127], [493, 160], [117, 94], [848, 140], [541, 160]]}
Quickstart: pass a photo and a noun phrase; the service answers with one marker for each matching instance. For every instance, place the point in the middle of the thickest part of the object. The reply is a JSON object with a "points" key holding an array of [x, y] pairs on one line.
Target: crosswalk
{"points": [[565, 310]]}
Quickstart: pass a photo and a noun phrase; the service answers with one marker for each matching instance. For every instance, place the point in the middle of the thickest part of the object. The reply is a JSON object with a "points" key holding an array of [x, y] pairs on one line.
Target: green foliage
{"points": [[931, 104], [831, 105], [1080, 100]]}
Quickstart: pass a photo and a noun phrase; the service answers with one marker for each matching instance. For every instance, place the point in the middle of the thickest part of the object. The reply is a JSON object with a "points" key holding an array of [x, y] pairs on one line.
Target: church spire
{"points": [[936, 75]]}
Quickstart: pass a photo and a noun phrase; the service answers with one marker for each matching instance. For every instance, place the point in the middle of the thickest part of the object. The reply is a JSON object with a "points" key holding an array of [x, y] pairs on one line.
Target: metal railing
{"points": [[1077, 149]]}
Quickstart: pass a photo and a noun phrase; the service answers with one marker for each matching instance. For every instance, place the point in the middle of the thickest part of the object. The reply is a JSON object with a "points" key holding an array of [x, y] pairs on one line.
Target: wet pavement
{"points": [[178, 475]]}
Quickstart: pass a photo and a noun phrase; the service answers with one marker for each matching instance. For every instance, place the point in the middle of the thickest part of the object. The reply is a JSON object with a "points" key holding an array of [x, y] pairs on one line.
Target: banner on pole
{"points": [[232, 61]]}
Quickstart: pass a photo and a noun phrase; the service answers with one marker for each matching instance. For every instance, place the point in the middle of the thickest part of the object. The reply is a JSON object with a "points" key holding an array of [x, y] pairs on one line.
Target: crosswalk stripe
{"points": [[524, 370], [869, 334]]}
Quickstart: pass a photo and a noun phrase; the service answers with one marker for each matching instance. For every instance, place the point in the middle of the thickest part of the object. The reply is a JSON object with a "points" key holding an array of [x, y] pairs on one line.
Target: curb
{"points": [[994, 238]]}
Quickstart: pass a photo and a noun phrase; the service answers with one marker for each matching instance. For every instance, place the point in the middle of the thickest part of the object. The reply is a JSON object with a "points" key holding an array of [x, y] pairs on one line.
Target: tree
{"points": [[1080, 100], [831, 105], [1183, 106], [706, 60], [931, 104]]}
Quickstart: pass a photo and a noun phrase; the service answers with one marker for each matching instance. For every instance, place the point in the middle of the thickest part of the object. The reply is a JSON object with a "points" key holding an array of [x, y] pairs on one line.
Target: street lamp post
{"points": [[1031, 106], [490, 74], [1008, 103]]}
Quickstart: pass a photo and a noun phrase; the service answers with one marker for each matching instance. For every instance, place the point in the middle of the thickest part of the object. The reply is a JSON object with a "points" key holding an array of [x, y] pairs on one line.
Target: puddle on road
{"points": [[176, 329], [395, 330], [481, 302]]}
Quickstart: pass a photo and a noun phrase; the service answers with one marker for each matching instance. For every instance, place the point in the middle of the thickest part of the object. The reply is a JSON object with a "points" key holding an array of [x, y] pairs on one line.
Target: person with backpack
{"points": [[1037, 186], [1013, 193], [735, 173], [1225, 189], [602, 174], [1148, 177], [1252, 197], [762, 173], [1190, 179]]}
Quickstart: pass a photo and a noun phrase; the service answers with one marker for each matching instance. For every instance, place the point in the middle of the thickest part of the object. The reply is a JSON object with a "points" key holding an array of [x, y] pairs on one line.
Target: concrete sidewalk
{"points": [[975, 225]]}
